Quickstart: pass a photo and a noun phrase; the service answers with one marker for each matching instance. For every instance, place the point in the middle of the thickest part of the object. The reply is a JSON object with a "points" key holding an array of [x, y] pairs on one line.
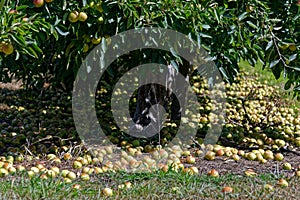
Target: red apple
{"points": [[227, 189], [282, 182], [38, 3], [213, 173]]}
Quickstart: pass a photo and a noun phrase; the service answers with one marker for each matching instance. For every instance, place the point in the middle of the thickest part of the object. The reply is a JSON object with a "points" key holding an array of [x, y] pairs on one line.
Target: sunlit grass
{"points": [[154, 185]]}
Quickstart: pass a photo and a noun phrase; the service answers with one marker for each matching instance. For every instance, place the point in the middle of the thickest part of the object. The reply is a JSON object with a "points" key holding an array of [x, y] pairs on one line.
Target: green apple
{"points": [[287, 166]]}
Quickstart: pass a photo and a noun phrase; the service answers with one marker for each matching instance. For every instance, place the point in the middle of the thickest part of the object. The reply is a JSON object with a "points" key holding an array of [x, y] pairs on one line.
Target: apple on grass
{"points": [[67, 180], [76, 186], [84, 177], [194, 170], [107, 192], [282, 182], [268, 187], [3, 172], [227, 189], [71, 175], [213, 173]]}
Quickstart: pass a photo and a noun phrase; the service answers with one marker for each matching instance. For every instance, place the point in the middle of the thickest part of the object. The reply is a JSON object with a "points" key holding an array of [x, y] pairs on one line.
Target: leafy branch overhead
{"points": [[47, 41]]}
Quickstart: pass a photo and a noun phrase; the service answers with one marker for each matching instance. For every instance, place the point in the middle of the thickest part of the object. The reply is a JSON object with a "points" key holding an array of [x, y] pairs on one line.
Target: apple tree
{"points": [[45, 41]]}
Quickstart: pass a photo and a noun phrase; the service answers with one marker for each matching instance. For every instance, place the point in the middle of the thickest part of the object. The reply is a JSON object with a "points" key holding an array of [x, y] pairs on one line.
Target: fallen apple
{"points": [[287, 166], [227, 189], [278, 157], [282, 182], [190, 160], [107, 192], [213, 173]]}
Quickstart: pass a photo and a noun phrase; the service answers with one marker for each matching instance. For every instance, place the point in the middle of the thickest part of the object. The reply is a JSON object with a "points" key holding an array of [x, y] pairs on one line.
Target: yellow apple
{"points": [[8, 49], [82, 16]]}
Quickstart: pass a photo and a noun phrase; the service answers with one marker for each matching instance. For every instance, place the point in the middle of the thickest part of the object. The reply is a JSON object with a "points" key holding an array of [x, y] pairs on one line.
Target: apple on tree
{"points": [[7, 49], [38, 3]]}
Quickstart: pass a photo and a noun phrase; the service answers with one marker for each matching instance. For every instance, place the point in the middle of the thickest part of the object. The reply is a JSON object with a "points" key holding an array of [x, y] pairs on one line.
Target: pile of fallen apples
{"points": [[38, 135]]}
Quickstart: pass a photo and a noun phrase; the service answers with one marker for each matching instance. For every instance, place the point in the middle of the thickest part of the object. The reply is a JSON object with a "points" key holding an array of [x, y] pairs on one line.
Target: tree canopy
{"points": [[46, 41]]}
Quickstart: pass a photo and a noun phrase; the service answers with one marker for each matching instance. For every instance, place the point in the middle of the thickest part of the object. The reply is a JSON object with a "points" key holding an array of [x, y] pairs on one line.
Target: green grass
{"points": [[266, 76], [155, 185]]}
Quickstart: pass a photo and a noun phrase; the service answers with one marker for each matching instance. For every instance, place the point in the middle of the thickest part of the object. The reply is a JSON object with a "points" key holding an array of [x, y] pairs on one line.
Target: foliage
{"points": [[49, 48]]}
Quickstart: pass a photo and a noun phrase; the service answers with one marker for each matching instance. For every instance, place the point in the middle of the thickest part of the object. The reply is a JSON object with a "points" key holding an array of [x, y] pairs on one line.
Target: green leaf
{"points": [[36, 48], [295, 68], [21, 7], [17, 55], [205, 26], [242, 16], [224, 73], [28, 52], [32, 52], [217, 16], [252, 25], [293, 57], [288, 85], [64, 5], [20, 31], [274, 63], [2, 2], [269, 45], [205, 35], [18, 39], [61, 32]]}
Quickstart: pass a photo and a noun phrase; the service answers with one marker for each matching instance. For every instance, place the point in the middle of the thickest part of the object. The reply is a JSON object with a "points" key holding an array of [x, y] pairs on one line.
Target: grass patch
{"points": [[154, 185]]}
